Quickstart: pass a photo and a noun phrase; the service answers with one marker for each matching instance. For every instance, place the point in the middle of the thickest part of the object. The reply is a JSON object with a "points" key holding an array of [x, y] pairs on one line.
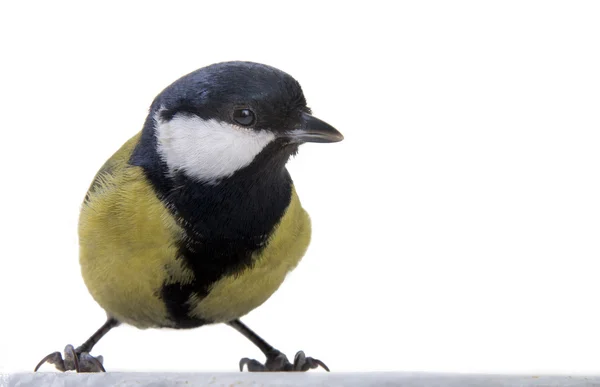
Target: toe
{"points": [[278, 362], [303, 363], [299, 361], [88, 363], [71, 360], [252, 365]]}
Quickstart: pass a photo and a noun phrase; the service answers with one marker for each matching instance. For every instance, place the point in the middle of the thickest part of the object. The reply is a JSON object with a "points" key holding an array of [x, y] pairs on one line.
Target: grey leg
{"points": [[276, 361]]}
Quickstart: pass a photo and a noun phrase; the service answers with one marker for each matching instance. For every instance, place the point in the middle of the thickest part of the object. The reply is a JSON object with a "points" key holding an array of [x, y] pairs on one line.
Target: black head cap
{"points": [[240, 93]]}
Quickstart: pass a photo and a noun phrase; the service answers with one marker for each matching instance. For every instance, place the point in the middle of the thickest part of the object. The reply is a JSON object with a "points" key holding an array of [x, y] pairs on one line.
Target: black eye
{"points": [[244, 117]]}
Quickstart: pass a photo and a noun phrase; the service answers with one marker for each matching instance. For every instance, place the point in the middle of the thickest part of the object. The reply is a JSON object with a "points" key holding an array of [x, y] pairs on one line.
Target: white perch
{"points": [[375, 379]]}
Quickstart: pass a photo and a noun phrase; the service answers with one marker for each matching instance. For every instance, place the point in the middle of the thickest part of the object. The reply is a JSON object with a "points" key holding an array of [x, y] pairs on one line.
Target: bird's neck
{"points": [[242, 208], [234, 209]]}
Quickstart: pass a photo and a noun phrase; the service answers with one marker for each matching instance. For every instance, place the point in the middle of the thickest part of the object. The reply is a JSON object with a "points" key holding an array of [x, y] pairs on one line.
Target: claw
{"points": [[243, 362], [54, 358], [303, 363], [252, 365], [73, 360], [277, 361], [319, 363]]}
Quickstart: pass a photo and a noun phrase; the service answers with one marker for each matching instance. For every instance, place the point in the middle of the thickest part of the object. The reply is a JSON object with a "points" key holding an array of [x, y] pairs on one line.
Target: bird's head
{"points": [[233, 116]]}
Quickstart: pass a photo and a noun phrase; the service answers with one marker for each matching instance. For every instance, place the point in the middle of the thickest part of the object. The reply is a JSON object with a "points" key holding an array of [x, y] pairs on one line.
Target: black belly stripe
{"points": [[175, 297], [209, 262]]}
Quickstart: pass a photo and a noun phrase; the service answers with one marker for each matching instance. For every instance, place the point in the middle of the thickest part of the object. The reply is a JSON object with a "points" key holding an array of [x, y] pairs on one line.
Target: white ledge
{"points": [[124, 379]]}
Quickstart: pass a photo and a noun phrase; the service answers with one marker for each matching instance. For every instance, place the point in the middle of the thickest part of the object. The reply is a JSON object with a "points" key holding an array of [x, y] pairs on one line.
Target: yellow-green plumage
{"points": [[128, 251], [195, 220]]}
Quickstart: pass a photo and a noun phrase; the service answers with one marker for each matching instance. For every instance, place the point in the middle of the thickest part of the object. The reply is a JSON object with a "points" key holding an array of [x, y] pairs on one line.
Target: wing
{"points": [[128, 243], [113, 167]]}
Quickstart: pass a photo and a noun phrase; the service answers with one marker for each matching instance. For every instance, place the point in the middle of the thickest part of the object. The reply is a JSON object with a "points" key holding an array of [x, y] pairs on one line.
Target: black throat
{"points": [[225, 222]]}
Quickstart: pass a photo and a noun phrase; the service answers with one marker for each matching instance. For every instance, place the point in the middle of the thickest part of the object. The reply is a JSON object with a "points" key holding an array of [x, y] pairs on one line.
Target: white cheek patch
{"points": [[207, 150]]}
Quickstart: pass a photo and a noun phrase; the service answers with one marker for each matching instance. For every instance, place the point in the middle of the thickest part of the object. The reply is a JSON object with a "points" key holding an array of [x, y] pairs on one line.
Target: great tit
{"points": [[195, 220]]}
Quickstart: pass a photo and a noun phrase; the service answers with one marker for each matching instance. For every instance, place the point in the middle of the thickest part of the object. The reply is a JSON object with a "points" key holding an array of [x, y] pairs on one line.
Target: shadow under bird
{"points": [[195, 220]]}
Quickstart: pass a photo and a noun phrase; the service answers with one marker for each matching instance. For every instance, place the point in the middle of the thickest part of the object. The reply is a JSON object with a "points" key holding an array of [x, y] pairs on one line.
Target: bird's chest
{"points": [[237, 292]]}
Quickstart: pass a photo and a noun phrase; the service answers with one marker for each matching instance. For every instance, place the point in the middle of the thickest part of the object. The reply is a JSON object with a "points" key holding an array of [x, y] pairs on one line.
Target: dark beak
{"points": [[312, 129]]}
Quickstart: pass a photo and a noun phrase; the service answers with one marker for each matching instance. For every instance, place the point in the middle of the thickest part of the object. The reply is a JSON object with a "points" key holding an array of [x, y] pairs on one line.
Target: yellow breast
{"points": [[235, 295]]}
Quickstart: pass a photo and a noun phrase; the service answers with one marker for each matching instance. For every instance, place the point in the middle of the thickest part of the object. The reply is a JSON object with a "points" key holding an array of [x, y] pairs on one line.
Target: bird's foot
{"points": [[75, 360], [277, 361]]}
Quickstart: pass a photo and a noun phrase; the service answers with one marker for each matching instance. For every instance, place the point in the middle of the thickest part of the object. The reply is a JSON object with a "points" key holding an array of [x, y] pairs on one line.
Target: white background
{"points": [[457, 227]]}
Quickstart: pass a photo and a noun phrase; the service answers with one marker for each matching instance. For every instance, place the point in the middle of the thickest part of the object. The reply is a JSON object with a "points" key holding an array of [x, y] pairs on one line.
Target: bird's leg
{"points": [[276, 361], [79, 359]]}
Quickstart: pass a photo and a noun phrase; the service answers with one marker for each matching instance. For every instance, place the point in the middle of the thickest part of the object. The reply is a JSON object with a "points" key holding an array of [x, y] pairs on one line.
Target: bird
{"points": [[195, 220]]}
